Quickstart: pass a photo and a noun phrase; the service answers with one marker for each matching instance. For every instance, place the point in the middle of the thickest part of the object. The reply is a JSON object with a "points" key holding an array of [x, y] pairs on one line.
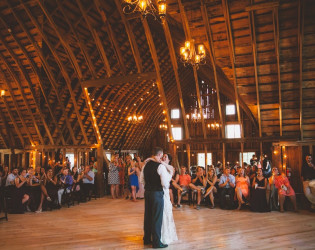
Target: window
{"points": [[109, 155], [71, 159], [201, 159], [246, 157], [233, 131], [230, 109], [175, 113], [177, 133]]}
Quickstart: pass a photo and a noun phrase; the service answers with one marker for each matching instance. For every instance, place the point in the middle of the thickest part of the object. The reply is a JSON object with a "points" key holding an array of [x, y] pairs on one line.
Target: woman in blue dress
{"points": [[133, 180]]}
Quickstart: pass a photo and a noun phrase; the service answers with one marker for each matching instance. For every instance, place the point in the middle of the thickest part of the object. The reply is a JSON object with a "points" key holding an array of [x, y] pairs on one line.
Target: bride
{"points": [[168, 233]]}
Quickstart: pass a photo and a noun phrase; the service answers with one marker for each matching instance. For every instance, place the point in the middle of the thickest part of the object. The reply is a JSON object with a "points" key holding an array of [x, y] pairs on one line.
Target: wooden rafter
{"points": [[110, 33], [17, 81], [8, 86], [157, 70], [37, 73], [188, 37], [62, 68], [16, 127], [47, 68], [32, 91], [226, 13], [260, 6], [275, 19], [116, 80], [131, 37], [254, 48], [10, 142], [210, 46], [175, 69]]}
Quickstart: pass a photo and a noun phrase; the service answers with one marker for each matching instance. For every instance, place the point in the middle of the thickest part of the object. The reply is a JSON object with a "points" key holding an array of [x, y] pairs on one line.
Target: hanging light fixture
{"points": [[163, 126], [2, 92], [135, 119], [146, 7], [190, 55]]}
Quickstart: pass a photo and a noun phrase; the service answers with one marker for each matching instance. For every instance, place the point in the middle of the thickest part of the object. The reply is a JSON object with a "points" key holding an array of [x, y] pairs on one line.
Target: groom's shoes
{"points": [[161, 245], [147, 242]]}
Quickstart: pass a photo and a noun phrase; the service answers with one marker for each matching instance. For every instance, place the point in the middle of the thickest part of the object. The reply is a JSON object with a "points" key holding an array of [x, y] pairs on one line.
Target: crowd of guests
{"points": [[256, 185], [30, 189]]}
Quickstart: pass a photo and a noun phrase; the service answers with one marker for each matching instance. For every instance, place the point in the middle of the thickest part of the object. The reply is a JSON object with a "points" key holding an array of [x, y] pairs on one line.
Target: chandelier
{"points": [[163, 126], [146, 7], [189, 55], [214, 125], [135, 119]]}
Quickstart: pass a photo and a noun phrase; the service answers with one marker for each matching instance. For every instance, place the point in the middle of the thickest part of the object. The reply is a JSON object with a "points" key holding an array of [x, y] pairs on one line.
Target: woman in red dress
{"points": [[284, 188]]}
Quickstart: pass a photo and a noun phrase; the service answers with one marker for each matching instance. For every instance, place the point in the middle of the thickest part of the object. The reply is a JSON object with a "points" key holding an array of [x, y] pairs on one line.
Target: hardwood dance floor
{"points": [[117, 224]]}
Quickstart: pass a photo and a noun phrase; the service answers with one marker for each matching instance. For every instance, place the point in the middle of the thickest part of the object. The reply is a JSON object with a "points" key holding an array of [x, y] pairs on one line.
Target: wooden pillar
{"points": [[100, 175], [10, 162], [75, 163], [206, 157], [242, 152], [188, 154], [223, 155], [23, 159], [63, 156]]}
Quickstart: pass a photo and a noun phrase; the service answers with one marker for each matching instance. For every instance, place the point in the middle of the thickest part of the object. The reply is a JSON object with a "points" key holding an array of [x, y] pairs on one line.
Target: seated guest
{"points": [[198, 184], [227, 185], [20, 196], [11, 177], [174, 186], [210, 187], [76, 179], [87, 181], [184, 183], [242, 187], [266, 166], [284, 188], [233, 171], [308, 177], [66, 182], [258, 200], [33, 190], [49, 189]]}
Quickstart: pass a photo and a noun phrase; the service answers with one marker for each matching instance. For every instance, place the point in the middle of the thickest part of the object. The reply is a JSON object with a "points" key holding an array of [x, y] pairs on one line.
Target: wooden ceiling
{"points": [[262, 55]]}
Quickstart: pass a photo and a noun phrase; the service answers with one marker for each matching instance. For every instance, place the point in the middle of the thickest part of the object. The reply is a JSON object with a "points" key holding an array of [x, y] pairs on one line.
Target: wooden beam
{"points": [[13, 121], [10, 142], [235, 140], [175, 69], [300, 49], [226, 13], [275, 18], [40, 80], [29, 83], [131, 37], [45, 63], [188, 37], [110, 33], [17, 107], [65, 74], [17, 81], [253, 41], [98, 83], [259, 6], [210, 46], [157, 70]]}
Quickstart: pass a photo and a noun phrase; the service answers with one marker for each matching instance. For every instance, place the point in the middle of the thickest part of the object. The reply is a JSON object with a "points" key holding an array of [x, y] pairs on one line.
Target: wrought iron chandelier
{"points": [[163, 126], [189, 55], [146, 7], [135, 119]]}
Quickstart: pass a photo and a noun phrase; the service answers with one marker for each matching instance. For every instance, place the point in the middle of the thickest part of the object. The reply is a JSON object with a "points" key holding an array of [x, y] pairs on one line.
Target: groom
{"points": [[154, 177]]}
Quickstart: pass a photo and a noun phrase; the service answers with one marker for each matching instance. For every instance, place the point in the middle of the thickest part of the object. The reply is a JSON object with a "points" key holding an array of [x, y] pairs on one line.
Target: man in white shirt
{"points": [[11, 177], [88, 182], [154, 176], [227, 185]]}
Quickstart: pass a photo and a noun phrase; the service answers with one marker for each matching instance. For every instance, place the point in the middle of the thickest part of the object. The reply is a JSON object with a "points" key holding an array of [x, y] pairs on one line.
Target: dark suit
{"points": [[154, 204]]}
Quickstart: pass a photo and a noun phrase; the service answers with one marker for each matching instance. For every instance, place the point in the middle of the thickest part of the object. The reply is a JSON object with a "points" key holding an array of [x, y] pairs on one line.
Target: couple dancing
{"points": [[159, 226]]}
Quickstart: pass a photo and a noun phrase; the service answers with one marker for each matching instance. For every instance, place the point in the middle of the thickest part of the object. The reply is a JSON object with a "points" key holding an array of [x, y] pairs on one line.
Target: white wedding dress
{"points": [[168, 232]]}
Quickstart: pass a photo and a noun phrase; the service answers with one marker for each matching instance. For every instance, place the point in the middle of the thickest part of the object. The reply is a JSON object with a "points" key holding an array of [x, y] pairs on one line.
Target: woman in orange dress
{"points": [[242, 187], [284, 188]]}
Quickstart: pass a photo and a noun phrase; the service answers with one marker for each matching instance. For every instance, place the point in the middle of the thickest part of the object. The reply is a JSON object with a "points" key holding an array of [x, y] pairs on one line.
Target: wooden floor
{"points": [[117, 224]]}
